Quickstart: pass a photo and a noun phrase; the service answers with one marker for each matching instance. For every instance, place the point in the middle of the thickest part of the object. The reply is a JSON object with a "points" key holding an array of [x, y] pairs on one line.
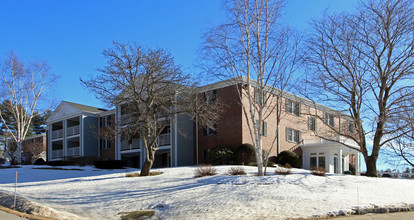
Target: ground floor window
{"points": [[317, 160]]}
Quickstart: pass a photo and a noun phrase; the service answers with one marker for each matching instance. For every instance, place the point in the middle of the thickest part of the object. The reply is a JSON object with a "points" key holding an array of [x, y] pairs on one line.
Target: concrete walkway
{"points": [[396, 215], [7, 216]]}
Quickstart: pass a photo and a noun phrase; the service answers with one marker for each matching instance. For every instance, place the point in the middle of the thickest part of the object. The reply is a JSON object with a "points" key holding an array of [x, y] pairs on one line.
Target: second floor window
{"points": [[312, 124], [209, 131], [351, 126], [210, 96], [263, 128], [293, 135], [292, 107], [329, 119]]}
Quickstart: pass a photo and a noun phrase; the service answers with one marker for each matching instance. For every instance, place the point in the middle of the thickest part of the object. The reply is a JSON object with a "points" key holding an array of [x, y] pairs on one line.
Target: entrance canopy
{"points": [[336, 155]]}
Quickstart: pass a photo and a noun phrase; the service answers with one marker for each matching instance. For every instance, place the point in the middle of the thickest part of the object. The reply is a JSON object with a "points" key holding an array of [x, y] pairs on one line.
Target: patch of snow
{"points": [[176, 194]]}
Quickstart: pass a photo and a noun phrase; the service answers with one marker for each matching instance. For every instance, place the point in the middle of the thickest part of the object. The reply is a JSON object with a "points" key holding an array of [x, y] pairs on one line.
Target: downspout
{"points": [[277, 127]]}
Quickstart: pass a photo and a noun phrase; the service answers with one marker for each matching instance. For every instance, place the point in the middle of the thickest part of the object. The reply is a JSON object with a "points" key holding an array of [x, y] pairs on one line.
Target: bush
{"points": [[220, 155], [60, 163], [83, 161], [290, 157], [318, 171], [269, 164], [39, 161], [283, 171], [245, 154], [206, 170], [237, 171], [110, 164]]}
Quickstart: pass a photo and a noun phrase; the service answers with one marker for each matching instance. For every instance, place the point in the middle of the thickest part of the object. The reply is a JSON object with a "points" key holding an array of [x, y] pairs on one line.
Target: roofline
{"points": [[274, 90]]}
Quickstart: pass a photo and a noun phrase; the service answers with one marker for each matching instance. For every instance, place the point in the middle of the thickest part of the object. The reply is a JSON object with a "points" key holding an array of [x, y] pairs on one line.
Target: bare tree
{"points": [[33, 149], [362, 62], [403, 144], [24, 86], [151, 89], [260, 55]]}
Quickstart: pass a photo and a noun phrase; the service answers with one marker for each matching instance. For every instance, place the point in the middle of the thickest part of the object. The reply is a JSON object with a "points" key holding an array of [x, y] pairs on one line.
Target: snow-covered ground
{"points": [[176, 194]]}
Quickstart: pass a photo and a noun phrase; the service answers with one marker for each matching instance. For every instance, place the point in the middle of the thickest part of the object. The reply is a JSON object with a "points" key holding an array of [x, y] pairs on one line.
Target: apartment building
{"points": [[81, 131], [78, 130], [304, 128], [73, 131]]}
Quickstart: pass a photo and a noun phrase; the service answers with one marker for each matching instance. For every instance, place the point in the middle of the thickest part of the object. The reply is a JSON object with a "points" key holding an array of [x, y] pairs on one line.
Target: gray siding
{"points": [[90, 136], [185, 154]]}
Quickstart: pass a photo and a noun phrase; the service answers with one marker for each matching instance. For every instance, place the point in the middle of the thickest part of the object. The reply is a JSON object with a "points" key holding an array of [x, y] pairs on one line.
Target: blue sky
{"points": [[70, 35]]}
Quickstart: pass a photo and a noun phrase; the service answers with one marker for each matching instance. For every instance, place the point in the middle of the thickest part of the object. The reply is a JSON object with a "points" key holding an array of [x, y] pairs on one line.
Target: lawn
{"points": [[91, 193]]}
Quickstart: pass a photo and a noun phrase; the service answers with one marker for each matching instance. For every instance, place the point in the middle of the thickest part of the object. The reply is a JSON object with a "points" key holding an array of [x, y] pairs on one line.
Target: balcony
{"points": [[130, 145], [73, 130], [73, 152], [57, 154], [164, 139], [57, 134], [127, 119]]}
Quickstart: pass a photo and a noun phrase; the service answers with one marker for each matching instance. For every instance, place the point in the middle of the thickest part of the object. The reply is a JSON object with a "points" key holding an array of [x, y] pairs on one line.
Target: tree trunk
{"points": [[259, 158], [371, 166], [19, 152], [146, 167]]}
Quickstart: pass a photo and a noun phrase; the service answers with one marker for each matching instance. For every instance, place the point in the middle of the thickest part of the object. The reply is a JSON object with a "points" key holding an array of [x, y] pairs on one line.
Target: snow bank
{"points": [[176, 194]]}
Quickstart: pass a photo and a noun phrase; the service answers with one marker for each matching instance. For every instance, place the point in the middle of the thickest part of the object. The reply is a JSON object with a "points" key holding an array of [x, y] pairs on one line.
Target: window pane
{"points": [[322, 162], [289, 134], [312, 162]]}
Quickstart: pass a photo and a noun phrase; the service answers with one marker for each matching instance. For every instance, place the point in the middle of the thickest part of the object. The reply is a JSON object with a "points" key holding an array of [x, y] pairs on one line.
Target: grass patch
{"points": [[205, 170], [56, 168], [136, 215], [138, 174]]}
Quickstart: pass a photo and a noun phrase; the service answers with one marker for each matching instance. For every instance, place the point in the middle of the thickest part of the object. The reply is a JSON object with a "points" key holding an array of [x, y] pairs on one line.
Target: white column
{"points": [[340, 161], [357, 164], [65, 145]]}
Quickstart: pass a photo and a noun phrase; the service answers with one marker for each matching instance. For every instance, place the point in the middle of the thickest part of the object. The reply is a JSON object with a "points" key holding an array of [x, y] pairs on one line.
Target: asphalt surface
{"points": [[7, 216]]}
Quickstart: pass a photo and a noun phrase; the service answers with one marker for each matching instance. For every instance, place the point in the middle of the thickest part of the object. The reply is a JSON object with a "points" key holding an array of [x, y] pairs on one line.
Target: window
{"points": [[105, 121], [259, 96], [263, 129], [292, 107], [293, 135], [312, 124], [317, 160], [329, 119], [210, 96], [209, 131], [351, 126], [105, 143]]}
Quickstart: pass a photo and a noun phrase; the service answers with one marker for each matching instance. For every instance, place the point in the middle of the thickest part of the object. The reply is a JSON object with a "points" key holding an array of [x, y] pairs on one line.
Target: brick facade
{"points": [[233, 129]]}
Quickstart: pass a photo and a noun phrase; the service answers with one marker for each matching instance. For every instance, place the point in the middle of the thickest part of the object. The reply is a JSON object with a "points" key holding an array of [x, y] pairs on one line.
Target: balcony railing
{"points": [[127, 119], [57, 134], [164, 139], [74, 130], [57, 154], [126, 145], [73, 152]]}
